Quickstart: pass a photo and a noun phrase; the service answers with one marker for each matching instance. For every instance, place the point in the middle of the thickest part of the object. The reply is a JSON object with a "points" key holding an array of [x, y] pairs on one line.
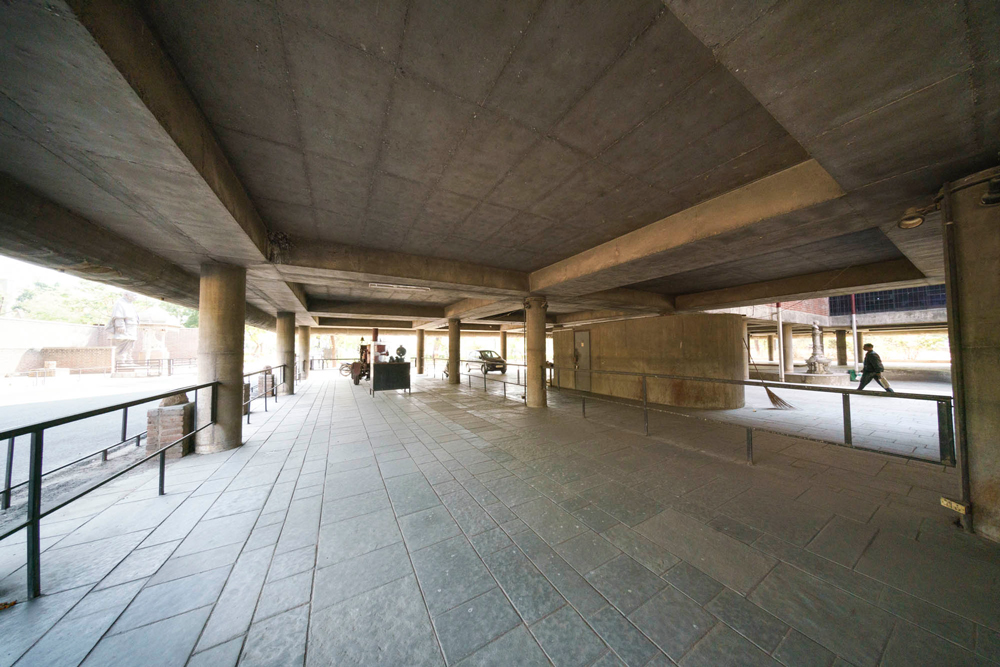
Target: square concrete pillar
{"points": [[304, 350], [285, 330], [972, 255], [221, 317], [454, 349]]}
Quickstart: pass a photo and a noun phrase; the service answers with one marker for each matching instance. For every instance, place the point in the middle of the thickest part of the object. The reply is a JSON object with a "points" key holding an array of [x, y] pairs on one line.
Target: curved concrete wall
{"points": [[695, 345]]}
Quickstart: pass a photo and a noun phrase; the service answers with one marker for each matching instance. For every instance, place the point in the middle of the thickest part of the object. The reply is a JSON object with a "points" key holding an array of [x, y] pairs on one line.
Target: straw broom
{"points": [[776, 400]]}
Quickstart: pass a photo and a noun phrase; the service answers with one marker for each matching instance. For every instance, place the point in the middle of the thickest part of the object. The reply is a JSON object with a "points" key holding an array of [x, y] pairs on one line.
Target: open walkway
{"points": [[449, 526]]}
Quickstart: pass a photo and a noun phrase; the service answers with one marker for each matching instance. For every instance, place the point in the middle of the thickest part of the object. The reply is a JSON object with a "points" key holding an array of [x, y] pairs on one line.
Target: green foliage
{"points": [[85, 303]]}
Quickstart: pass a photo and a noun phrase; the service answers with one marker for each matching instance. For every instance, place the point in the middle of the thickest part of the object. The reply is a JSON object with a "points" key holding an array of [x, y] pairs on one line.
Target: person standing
{"points": [[873, 369]]}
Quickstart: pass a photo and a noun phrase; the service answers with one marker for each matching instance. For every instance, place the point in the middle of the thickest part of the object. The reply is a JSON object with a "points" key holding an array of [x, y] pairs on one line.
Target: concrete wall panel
{"points": [[693, 345]]}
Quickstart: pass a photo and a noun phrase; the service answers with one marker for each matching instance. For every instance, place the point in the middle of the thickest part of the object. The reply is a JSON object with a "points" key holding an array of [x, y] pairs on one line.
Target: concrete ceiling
{"points": [[487, 150]]}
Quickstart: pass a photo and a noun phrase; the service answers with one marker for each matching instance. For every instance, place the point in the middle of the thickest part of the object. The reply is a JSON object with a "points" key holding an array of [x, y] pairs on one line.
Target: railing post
{"points": [[848, 440], [484, 383], [34, 512], [266, 390], [749, 446], [519, 375], [124, 426], [946, 433], [505, 389], [7, 474], [215, 402], [645, 410], [584, 407], [163, 469]]}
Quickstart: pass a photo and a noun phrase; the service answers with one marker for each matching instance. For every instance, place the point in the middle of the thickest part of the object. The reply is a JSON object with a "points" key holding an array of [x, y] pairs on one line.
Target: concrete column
{"points": [[503, 344], [286, 349], [535, 308], [788, 351], [770, 347], [374, 334], [972, 254], [746, 351], [420, 351], [454, 349], [841, 347], [304, 351], [221, 317]]}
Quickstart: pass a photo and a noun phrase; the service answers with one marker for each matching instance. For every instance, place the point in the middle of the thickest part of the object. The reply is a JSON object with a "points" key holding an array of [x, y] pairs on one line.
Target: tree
{"points": [[86, 303]]}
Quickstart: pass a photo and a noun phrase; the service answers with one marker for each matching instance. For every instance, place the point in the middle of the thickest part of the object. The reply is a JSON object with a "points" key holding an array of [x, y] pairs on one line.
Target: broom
{"points": [[776, 401]]}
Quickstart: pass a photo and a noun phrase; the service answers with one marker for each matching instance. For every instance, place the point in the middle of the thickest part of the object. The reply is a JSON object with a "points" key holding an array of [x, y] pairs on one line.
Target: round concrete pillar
{"points": [[286, 349], [454, 349], [787, 349], [770, 347], [420, 351], [304, 351], [534, 308], [503, 344], [841, 347], [221, 316]]}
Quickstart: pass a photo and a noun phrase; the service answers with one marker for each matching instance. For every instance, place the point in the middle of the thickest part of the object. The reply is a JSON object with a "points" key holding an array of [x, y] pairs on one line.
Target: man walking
{"points": [[873, 369]]}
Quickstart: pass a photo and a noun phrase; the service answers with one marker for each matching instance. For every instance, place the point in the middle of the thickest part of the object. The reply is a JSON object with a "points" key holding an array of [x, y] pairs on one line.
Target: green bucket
{"points": [[854, 375]]}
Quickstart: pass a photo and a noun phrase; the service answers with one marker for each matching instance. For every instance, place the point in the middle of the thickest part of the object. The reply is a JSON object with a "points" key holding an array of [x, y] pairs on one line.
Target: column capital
{"points": [[536, 302]]}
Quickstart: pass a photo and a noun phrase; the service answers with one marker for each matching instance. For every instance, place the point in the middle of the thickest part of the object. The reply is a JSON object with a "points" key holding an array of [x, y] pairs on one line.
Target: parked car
{"points": [[488, 360]]}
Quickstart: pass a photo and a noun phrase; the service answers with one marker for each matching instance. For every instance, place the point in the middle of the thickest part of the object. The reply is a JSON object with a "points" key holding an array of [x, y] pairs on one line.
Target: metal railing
{"points": [[35, 513], [477, 362], [271, 391], [504, 381], [946, 430]]}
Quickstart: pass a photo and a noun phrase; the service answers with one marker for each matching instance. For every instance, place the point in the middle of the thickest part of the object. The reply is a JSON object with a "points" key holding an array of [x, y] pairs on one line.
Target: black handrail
{"points": [[946, 431], [41, 426], [273, 391], [34, 505]]}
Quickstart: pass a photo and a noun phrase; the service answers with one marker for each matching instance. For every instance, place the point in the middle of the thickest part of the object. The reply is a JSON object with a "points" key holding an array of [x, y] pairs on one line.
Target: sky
{"points": [[21, 275]]}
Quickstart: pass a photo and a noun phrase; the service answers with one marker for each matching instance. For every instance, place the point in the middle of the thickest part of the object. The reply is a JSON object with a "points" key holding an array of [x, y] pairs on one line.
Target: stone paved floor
{"points": [[451, 526]]}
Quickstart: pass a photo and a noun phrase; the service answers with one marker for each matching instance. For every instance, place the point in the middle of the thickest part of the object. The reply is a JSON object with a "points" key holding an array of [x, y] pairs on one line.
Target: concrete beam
{"points": [[36, 230], [473, 309], [338, 261], [350, 323], [121, 32], [870, 277], [630, 299], [596, 316], [792, 189], [386, 310]]}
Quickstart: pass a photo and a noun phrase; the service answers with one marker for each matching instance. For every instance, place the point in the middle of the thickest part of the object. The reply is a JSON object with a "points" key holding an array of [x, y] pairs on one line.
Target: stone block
{"points": [[166, 424]]}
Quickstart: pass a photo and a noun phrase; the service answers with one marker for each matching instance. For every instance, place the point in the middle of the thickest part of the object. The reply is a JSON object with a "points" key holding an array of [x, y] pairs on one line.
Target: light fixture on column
{"points": [[992, 195], [913, 217]]}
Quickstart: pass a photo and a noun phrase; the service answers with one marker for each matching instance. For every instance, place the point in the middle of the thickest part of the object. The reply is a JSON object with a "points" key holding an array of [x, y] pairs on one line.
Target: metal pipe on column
{"points": [[781, 346]]}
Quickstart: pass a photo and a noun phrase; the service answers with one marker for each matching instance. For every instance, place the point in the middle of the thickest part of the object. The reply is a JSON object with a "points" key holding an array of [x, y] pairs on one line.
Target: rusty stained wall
{"points": [[693, 345]]}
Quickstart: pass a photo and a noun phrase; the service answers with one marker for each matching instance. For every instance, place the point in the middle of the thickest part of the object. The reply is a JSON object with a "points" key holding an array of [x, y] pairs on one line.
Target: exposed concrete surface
{"points": [[450, 524], [975, 341], [420, 350], [454, 350], [534, 351], [285, 339], [303, 350], [692, 345], [205, 141], [221, 305]]}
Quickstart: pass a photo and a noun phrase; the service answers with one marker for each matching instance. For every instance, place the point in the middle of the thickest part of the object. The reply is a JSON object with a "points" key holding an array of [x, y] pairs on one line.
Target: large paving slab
{"points": [[452, 526]]}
